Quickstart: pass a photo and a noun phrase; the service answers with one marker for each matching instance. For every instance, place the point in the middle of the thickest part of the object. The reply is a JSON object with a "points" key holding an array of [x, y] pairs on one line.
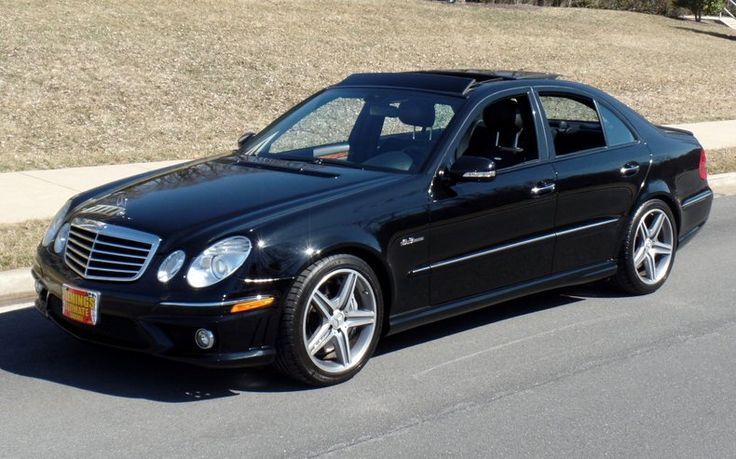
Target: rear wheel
{"points": [[649, 249], [331, 321]]}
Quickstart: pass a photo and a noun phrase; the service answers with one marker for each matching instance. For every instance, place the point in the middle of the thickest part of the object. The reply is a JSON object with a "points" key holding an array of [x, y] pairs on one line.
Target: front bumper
{"points": [[148, 322]]}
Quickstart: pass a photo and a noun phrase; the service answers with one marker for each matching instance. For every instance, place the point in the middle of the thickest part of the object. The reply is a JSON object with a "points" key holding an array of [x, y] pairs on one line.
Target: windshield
{"points": [[361, 127]]}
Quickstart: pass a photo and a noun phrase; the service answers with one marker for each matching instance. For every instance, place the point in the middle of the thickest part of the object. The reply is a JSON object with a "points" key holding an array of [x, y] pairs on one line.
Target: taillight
{"points": [[703, 166]]}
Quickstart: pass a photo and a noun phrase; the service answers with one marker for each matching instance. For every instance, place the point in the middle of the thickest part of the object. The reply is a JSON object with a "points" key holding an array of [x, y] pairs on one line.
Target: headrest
{"points": [[503, 114], [417, 113]]}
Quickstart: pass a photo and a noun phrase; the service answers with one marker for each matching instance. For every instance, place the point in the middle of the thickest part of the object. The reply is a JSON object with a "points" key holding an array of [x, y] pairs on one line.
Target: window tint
{"points": [[504, 132], [573, 122], [617, 133]]}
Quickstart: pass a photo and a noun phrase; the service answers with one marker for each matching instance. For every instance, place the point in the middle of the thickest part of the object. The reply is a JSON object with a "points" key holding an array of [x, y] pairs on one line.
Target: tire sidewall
{"points": [[627, 255], [318, 271]]}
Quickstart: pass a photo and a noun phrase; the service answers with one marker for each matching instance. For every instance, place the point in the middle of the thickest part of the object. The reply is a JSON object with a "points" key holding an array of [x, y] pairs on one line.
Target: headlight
{"points": [[56, 224], [61, 238], [170, 266], [218, 261]]}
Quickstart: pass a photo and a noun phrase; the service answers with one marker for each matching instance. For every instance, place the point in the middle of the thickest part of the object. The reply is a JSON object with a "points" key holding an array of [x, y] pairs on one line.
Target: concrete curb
{"points": [[17, 285]]}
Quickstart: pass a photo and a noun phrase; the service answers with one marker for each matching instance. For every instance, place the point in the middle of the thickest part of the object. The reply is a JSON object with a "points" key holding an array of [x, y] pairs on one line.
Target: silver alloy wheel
{"points": [[340, 321], [653, 246]]}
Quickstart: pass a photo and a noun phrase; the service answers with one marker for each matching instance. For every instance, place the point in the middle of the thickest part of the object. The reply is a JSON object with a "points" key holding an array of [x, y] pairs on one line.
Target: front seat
{"points": [[499, 137], [506, 126], [405, 154]]}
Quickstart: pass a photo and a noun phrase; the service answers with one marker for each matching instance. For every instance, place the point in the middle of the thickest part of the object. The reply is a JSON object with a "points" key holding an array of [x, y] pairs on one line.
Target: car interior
{"points": [[504, 132], [407, 150], [396, 133], [574, 123], [399, 133]]}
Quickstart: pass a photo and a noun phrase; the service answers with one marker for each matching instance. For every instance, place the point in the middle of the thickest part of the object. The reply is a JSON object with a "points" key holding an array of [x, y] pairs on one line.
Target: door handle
{"points": [[543, 188], [630, 169]]}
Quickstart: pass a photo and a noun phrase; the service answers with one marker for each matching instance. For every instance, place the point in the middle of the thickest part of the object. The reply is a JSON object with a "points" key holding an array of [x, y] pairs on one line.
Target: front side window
{"points": [[573, 122], [504, 131], [372, 128]]}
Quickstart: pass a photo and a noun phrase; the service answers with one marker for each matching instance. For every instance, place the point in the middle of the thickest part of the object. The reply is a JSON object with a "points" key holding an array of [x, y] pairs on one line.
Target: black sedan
{"points": [[384, 202]]}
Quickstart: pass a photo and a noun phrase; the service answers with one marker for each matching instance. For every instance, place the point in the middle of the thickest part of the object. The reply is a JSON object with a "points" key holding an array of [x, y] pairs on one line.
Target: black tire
{"points": [[627, 277], [292, 358]]}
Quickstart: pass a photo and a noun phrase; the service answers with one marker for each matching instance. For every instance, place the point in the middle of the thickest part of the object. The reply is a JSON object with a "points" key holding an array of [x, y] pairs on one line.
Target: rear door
{"points": [[600, 163]]}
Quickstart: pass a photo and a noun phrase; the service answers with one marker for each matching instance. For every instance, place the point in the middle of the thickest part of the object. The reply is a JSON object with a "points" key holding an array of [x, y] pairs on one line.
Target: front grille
{"points": [[99, 251]]}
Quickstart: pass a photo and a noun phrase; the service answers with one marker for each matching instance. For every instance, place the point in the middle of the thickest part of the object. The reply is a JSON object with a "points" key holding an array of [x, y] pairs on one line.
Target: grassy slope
{"points": [[93, 82], [720, 161], [18, 242]]}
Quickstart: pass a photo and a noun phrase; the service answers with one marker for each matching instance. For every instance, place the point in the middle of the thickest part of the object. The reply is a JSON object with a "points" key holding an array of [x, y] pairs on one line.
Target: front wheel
{"points": [[648, 250], [331, 321]]}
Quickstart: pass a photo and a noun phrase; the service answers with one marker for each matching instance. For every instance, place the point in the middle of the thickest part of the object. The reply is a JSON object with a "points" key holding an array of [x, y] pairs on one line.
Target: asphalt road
{"points": [[580, 372]]}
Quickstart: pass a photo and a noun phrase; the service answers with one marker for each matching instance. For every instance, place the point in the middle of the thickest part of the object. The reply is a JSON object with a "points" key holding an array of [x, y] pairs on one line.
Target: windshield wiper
{"points": [[337, 162]]}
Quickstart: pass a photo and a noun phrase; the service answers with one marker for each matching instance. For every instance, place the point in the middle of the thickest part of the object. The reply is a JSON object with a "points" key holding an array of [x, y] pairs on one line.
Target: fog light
{"points": [[39, 287], [204, 339]]}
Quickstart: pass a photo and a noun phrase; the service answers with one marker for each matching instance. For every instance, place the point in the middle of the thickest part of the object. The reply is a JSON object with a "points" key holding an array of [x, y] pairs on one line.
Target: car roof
{"points": [[456, 81]]}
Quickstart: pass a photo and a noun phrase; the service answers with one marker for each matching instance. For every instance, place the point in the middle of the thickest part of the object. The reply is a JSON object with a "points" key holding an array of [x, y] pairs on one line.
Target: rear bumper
{"points": [[145, 323], [695, 212]]}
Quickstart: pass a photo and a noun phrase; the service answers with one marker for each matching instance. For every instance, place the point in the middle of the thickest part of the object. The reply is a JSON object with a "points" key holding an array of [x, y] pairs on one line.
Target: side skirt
{"points": [[429, 314]]}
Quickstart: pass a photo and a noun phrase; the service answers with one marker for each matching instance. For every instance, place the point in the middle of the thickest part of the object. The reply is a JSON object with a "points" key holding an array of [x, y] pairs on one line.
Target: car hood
{"points": [[198, 195]]}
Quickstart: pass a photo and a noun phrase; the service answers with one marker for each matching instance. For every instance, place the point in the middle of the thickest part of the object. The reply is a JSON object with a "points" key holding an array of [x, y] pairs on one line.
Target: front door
{"points": [[486, 235]]}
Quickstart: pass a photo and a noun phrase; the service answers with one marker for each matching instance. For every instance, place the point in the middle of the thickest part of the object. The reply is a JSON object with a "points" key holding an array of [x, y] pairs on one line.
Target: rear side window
{"points": [[573, 122], [617, 133]]}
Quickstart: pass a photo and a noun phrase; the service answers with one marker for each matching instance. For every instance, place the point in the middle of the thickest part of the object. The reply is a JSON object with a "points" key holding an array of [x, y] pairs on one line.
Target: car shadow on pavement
{"points": [[480, 318], [35, 348]]}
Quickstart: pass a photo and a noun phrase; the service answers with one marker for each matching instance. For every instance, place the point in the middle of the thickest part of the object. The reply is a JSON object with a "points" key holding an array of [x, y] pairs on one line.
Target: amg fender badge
{"points": [[411, 240]]}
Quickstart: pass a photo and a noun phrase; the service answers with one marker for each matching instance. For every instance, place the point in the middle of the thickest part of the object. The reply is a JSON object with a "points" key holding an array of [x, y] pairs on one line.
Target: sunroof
{"points": [[457, 84], [449, 81], [495, 75]]}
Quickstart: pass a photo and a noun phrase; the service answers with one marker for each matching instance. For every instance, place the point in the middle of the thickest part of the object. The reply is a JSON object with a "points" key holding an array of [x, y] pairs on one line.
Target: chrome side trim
{"points": [[585, 227], [512, 245], [212, 304], [501, 248], [697, 198]]}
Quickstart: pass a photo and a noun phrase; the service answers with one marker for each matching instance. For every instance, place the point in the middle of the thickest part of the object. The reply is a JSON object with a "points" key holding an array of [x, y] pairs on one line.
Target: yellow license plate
{"points": [[80, 305]]}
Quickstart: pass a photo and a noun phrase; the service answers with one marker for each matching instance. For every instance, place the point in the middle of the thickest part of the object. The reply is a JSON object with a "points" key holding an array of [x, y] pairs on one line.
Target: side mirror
{"points": [[472, 169], [244, 138]]}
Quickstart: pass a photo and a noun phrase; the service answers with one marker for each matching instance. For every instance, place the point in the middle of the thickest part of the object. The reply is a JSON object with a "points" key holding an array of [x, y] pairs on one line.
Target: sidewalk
{"points": [[28, 195], [713, 134], [39, 194]]}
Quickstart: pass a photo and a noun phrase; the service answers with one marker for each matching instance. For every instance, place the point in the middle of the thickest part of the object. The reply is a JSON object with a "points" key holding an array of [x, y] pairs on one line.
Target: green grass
{"points": [[100, 82]]}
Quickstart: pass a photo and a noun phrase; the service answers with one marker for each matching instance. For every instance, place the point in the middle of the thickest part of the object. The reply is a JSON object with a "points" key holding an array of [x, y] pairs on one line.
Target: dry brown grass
{"points": [[94, 82], [720, 161], [18, 242]]}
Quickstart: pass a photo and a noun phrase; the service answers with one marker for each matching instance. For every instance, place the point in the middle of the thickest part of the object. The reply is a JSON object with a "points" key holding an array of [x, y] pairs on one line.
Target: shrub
{"points": [[663, 7], [700, 7]]}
